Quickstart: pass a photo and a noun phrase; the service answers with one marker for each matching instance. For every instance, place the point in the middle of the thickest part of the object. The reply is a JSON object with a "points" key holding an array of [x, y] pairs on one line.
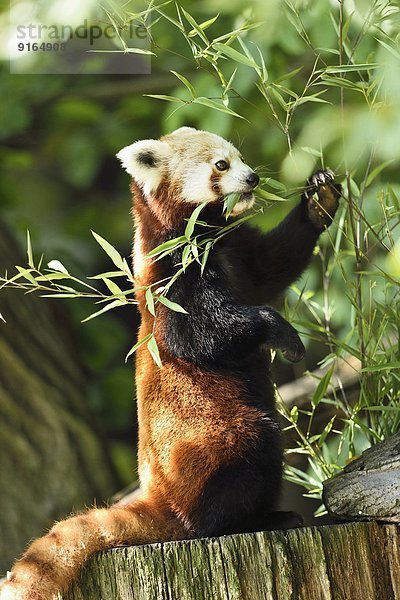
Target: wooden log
{"points": [[368, 487], [354, 561]]}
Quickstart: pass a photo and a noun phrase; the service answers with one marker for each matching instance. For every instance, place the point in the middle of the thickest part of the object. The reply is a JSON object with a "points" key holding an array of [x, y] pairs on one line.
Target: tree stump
{"points": [[356, 561]]}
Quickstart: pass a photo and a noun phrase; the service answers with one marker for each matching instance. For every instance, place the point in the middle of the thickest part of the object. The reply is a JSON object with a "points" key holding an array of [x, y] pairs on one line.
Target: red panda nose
{"points": [[253, 180]]}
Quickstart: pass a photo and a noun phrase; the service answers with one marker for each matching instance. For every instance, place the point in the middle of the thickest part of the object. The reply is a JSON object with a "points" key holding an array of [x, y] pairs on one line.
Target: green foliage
{"points": [[314, 83]]}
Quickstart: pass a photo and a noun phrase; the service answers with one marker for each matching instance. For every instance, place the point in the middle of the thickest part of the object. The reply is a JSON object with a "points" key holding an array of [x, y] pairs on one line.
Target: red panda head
{"points": [[195, 166]]}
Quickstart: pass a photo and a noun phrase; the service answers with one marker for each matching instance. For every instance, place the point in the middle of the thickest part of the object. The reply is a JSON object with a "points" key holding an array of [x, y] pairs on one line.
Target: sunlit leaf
{"points": [[216, 106], [110, 250], [29, 250], [351, 68], [268, 196], [172, 305], [137, 345], [326, 431], [27, 274], [111, 306], [153, 349], [230, 202], [168, 246], [195, 25], [206, 252], [115, 289], [322, 387], [186, 83], [204, 25], [150, 301], [164, 97], [56, 265], [376, 171], [236, 55], [384, 367], [192, 221]]}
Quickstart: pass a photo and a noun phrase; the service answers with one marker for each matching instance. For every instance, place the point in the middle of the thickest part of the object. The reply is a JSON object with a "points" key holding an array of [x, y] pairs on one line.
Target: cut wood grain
{"points": [[355, 561]]}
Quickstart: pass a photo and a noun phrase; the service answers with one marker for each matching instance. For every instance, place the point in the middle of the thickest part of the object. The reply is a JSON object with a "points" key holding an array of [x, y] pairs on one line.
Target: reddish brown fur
{"points": [[191, 422], [174, 436]]}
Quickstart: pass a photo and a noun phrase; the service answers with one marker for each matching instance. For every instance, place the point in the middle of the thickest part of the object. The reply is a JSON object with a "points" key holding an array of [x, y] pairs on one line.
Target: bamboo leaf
{"points": [[322, 387], [62, 295], [376, 171], [313, 98], [106, 308], [392, 50], [216, 106], [168, 246], [153, 349], [52, 277], [139, 51], [150, 302], [110, 250], [383, 367], [115, 289], [206, 252], [186, 83], [206, 24], [29, 250], [326, 431], [351, 68], [230, 202], [192, 221], [342, 83], [27, 274], [137, 345], [269, 196], [56, 265], [195, 26], [108, 275], [236, 55], [185, 255], [164, 97], [172, 305]]}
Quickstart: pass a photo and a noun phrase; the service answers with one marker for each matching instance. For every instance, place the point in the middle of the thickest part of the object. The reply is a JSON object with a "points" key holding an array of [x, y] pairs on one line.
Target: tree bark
{"points": [[356, 561], [51, 459], [368, 487]]}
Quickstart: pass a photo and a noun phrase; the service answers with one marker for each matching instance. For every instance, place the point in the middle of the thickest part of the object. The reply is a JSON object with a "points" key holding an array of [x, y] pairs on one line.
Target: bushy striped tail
{"points": [[53, 561]]}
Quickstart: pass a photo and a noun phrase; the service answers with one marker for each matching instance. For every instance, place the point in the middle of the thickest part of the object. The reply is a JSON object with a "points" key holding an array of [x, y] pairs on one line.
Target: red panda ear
{"points": [[147, 162], [183, 130]]}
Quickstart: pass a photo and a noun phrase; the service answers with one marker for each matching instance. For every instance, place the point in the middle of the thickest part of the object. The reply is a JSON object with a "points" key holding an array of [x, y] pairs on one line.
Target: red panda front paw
{"points": [[321, 198], [295, 352]]}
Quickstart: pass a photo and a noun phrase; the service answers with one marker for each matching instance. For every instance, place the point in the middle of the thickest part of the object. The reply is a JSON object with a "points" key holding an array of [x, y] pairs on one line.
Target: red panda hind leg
{"points": [[52, 562]]}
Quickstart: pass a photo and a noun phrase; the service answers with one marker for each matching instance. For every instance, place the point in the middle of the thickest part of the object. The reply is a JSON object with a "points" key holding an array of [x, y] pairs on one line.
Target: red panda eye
{"points": [[222, 165]]}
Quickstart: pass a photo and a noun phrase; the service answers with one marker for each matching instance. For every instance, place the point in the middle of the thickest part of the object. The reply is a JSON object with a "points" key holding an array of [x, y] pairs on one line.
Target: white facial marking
{"points": [[186, 159], [197, 186]]}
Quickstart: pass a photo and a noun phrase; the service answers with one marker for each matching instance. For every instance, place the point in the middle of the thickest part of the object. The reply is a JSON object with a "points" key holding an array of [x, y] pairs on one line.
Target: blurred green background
{"points": [[60, 134]]}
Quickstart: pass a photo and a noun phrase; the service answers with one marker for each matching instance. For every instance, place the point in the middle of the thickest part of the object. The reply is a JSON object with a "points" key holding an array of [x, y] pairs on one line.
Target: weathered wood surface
{"points": [[51, 457], [355, 561], [368, 487]]}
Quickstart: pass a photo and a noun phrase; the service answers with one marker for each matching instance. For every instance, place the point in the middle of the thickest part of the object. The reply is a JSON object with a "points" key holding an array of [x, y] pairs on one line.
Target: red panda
{"points": [[210, 449]]}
